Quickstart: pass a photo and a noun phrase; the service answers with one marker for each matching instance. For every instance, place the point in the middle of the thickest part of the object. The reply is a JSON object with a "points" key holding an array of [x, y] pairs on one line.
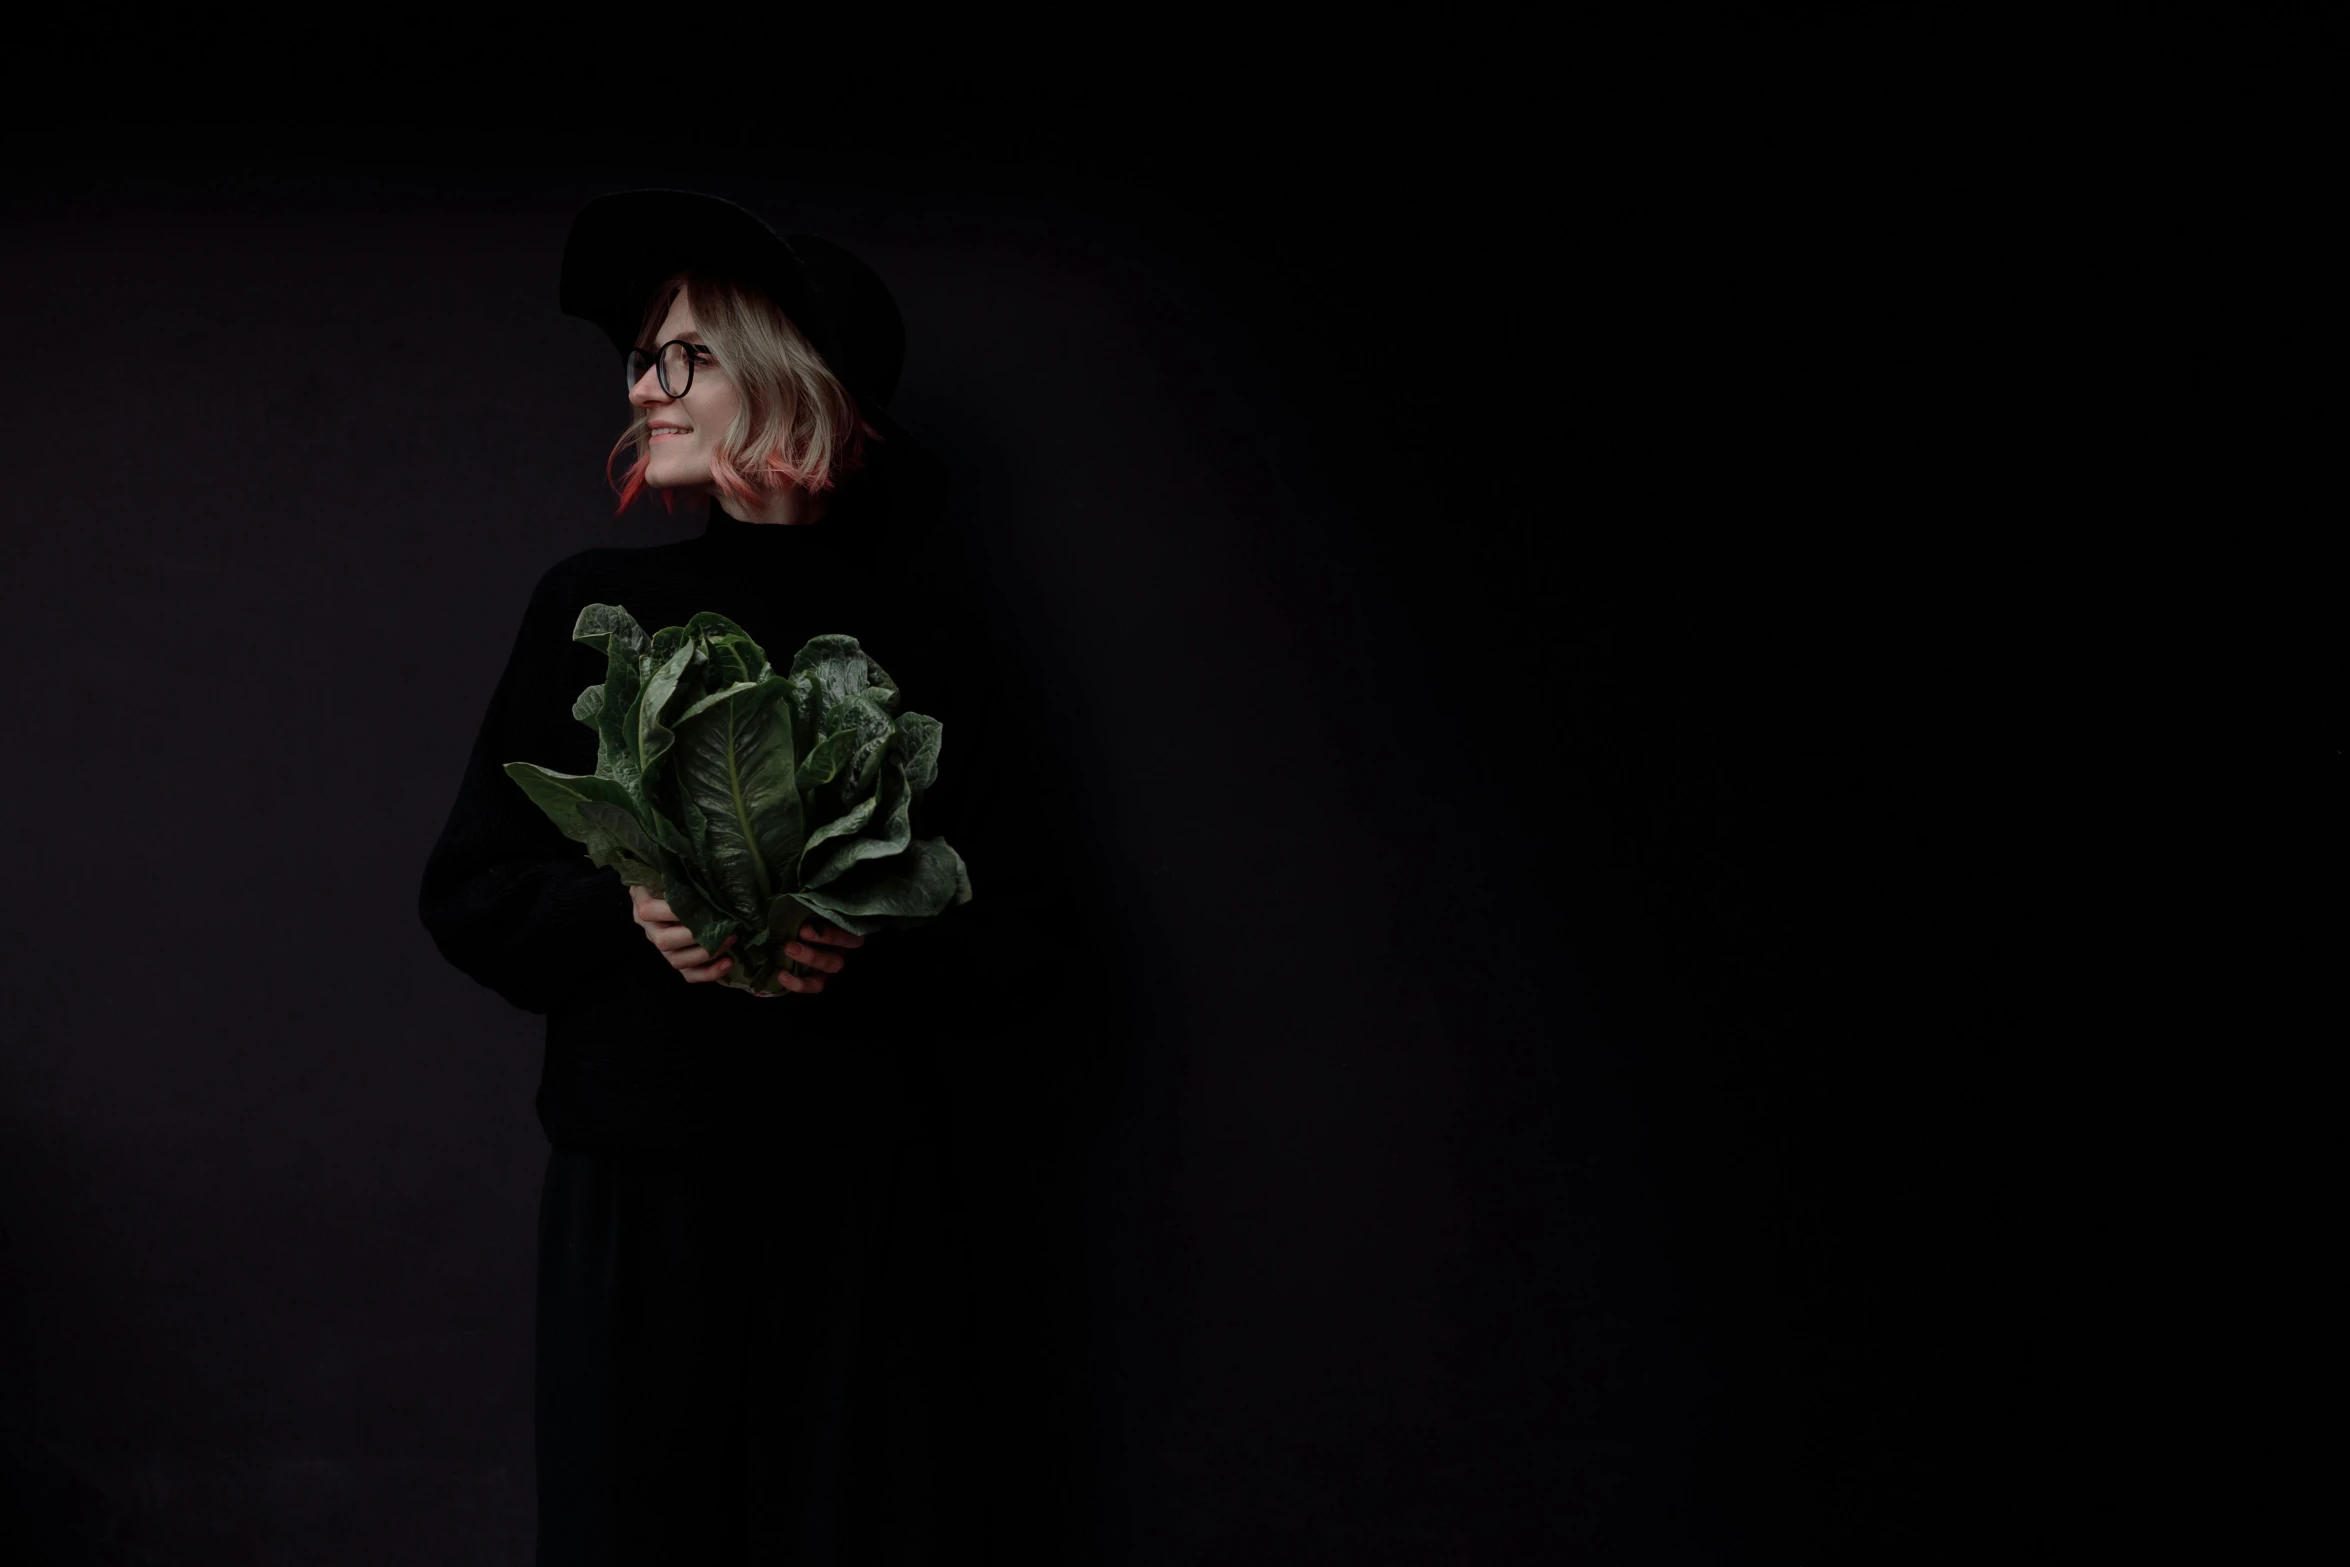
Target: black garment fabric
{"points": [[730, 1375], [753, 1315], [636, 1057]]}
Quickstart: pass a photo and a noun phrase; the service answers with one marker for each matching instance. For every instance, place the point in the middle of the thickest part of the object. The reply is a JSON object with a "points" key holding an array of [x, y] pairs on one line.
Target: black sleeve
{"points": [[508, 899]]}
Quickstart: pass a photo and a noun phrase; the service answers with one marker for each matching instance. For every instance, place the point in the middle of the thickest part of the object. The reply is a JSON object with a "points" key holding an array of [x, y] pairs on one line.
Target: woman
{"points": [[746, 1317]]}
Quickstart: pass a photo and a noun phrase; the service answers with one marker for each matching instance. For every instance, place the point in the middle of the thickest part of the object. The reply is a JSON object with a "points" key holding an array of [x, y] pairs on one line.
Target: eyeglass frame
{"points": [[695, 353]]}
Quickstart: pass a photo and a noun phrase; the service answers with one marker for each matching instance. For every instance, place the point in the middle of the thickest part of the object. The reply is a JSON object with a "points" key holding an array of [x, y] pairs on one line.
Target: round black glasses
{"points": [[675, 361]]}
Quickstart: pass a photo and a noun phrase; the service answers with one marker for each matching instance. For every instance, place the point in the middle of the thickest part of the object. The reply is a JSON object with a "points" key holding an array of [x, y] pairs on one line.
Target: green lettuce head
{"points": [[749, 798]]}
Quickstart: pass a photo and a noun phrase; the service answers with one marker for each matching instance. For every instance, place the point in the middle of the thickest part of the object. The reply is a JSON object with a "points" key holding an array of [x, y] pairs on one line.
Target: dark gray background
{"points": [[273, 1164], [1601, 650]]}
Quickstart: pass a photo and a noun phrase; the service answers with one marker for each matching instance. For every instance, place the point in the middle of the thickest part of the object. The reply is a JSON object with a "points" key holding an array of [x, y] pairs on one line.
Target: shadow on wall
{"points": [[1030, 1106], [1102, 951], [50, 1515]]}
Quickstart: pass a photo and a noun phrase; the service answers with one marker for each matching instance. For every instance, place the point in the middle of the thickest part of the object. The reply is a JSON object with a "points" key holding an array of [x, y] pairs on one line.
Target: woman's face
{"points": [[683, 428]]}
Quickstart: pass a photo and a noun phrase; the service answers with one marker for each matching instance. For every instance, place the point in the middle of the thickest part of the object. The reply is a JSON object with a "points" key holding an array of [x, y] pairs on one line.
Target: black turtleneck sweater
{"points": [[636, 1056]]}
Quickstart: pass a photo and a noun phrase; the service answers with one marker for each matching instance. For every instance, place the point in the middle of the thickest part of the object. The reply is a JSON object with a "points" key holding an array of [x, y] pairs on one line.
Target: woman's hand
{"points": [[665, 930], [815, 956]]}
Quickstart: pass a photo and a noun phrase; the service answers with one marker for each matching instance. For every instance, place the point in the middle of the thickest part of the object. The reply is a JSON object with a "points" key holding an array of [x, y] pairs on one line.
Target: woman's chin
{"points": [[662, 477]]}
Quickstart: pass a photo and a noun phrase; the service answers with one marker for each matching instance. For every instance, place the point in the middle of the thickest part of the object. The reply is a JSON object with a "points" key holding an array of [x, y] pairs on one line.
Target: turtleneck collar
{"points": [[732, 537]]}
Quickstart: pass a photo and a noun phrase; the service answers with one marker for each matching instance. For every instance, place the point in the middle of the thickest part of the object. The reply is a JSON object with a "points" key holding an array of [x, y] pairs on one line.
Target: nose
{"points": [[647, 392]]}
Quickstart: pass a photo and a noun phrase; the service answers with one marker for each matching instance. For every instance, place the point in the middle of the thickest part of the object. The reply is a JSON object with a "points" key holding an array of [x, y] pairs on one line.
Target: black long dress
{"points": [[753, 1323]]}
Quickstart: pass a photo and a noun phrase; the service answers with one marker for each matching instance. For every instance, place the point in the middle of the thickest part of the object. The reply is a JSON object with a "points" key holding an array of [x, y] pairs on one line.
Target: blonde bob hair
{"points": [[795, 424]]}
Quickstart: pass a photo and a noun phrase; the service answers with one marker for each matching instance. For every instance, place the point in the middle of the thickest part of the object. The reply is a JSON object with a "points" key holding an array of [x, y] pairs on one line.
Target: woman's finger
{"points": [[808, 986], [707, 971], [831, 936], [829, 962], [685, 952]]}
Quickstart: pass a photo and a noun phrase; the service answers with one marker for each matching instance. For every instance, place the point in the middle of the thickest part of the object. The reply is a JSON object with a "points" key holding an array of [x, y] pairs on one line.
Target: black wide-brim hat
{"points": [[622, 247]]}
